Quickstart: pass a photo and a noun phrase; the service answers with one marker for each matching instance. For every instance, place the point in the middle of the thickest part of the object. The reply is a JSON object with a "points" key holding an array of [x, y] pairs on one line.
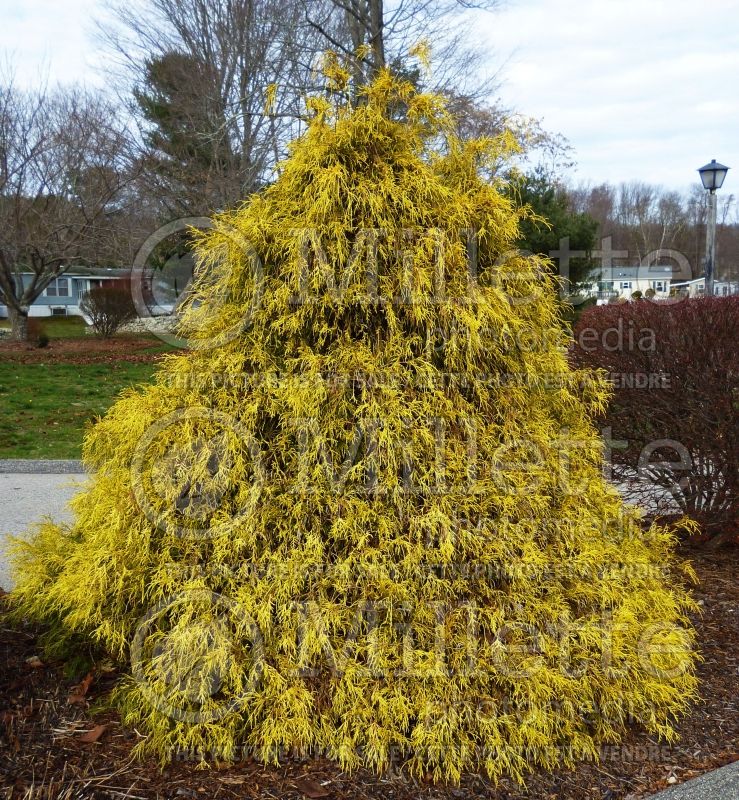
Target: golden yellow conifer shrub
{"points": [[364, 514]]}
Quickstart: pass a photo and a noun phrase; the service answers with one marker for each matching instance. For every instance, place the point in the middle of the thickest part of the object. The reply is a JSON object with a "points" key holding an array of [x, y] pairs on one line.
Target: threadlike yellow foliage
{"points": [[365, 513]]}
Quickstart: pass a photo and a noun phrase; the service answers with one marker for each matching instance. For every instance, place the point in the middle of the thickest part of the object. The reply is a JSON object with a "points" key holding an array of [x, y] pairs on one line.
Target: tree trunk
{"points": [[19, 324], [377, 35]]}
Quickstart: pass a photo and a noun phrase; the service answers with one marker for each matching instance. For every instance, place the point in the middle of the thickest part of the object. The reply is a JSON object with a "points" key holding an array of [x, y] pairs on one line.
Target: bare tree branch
{"points": [[64, 168]]}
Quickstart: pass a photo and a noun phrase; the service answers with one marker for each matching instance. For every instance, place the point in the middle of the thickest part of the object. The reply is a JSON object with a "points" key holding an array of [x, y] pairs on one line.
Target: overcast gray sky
{"points": [[643, 89]]}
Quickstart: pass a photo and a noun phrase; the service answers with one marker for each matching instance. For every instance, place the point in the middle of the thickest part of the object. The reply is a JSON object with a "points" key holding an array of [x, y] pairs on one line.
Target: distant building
{"points": [[697, 287], [614, 282], [62, 296]]}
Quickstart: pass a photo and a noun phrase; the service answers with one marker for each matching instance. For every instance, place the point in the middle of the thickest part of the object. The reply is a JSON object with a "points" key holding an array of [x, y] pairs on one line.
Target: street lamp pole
{"points": [[711, 242], [712, 176]]}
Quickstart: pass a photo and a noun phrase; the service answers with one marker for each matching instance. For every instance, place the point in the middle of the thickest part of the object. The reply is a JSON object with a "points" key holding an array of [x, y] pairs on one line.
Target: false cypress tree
{"points": [[365, 512]]}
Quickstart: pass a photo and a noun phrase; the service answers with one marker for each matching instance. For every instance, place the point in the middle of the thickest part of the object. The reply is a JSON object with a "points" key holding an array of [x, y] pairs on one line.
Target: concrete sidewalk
{"points": [[721, 784], [38, 467], [31, 491]]}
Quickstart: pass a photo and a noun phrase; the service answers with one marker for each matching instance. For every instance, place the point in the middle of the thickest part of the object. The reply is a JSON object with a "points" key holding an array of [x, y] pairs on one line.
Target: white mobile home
{"points": [[62, 296]]}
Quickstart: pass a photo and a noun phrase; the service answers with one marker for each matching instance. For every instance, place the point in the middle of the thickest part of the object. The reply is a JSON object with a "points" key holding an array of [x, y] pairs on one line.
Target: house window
{"points": [[626, 284], [59, 311], [659, 286], [59, 287]]}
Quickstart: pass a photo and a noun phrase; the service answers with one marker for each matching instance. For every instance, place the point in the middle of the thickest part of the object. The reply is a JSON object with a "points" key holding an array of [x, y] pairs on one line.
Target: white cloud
{"points": [[643, 89], [50, 40]]}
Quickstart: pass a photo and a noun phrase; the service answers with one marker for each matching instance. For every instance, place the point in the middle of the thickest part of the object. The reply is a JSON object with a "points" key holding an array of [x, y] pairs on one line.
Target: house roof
{"points": [[633, 273], [99, 272], [93, 272]]}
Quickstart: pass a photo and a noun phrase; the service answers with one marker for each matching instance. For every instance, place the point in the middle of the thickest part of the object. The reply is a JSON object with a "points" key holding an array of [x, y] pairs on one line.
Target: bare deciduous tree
{"points": [[63, 170], [541, 151], [372, 34], [644, 220], [651, 218], [202, 73]]}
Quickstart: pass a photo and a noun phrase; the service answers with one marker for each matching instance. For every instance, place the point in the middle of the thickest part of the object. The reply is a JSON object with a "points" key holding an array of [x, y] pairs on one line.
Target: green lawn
{"points": [[44, 407], [58, 327]]}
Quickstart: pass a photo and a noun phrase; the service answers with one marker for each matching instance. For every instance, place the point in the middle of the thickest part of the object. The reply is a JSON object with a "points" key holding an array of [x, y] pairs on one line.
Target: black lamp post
{"points": [[712, 176]]}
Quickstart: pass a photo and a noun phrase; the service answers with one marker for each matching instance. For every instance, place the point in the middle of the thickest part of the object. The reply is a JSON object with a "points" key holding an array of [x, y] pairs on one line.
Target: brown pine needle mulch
{"points": [[52, 746]]}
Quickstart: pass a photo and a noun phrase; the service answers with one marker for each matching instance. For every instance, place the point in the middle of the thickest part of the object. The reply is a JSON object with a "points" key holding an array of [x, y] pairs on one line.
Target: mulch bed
{"points": [[53, 748], [87, 350]]}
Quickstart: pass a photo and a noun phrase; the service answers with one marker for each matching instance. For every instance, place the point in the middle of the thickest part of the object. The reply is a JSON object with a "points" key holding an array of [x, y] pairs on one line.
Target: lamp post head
{"points": [[712, 175]]}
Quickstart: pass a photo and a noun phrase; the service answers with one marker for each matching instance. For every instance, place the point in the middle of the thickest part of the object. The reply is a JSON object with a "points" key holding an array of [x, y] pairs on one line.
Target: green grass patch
{"points": [[44, 408], [57, 327], [64, 327]]}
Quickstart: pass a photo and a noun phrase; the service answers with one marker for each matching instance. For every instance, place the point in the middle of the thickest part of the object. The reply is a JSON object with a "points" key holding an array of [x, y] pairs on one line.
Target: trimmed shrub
{"points": [[109, 306], [675, 408], [335, 524]]}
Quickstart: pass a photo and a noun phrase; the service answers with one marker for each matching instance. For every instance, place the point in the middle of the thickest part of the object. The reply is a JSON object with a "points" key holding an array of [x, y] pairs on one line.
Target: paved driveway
{"points": [[26, 498]]}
